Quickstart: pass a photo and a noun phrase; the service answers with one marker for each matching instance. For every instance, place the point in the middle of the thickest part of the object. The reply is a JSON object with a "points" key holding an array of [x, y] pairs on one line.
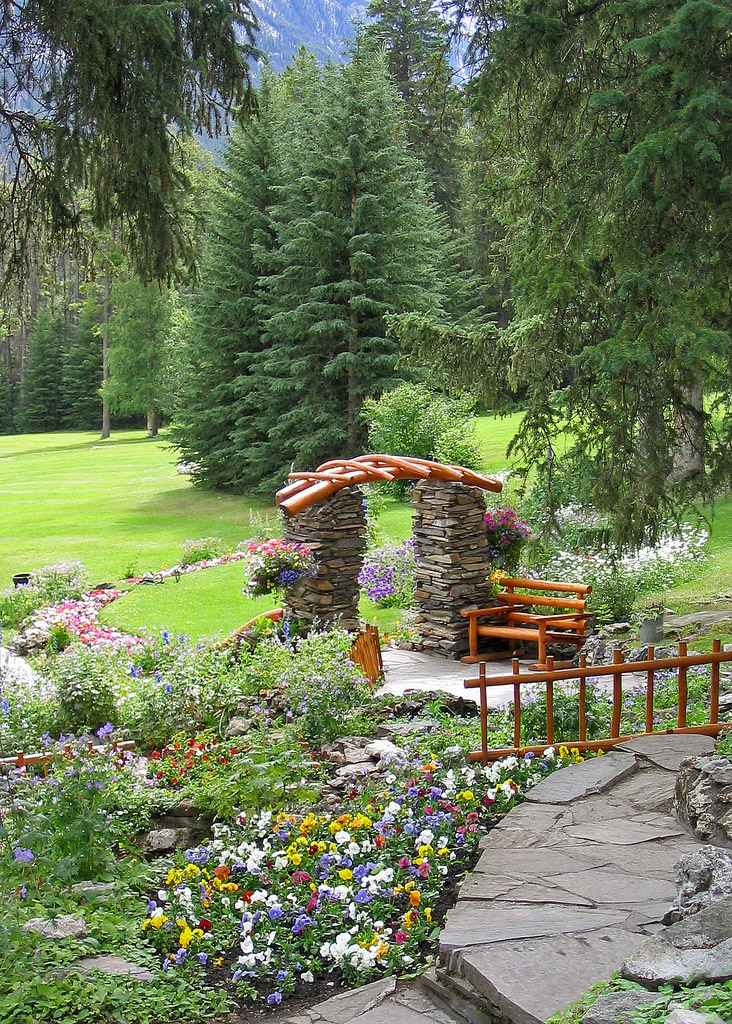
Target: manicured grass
{"points": [[113, 505], [120, 504]]}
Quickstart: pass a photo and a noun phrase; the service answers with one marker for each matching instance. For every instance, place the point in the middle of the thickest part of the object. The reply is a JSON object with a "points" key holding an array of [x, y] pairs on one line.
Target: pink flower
{"points": [[400, 937]]}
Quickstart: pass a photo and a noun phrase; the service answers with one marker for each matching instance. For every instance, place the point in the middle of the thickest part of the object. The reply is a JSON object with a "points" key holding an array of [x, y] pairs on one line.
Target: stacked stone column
{"points": [[452, 565], [335, 530]]}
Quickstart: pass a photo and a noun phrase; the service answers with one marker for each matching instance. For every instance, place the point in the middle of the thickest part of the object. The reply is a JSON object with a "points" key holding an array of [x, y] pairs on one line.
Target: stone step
{"points": [[457, 996]]}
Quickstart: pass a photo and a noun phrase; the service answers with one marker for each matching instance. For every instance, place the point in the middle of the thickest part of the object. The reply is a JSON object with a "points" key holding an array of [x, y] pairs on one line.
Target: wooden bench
{"points": [[513, 621]]}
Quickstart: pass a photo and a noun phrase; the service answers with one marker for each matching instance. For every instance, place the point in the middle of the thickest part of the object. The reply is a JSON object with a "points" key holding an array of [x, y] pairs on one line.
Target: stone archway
{"points": [[325, 510]]}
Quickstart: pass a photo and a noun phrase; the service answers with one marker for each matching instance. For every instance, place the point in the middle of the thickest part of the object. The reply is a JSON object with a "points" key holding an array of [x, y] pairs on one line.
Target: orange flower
{"points": [[222, 872], [415, 898]]}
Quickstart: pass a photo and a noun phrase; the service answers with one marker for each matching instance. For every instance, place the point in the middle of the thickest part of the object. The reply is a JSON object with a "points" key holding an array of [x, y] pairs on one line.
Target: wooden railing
{"points": [[617, 670], [21, 760]]}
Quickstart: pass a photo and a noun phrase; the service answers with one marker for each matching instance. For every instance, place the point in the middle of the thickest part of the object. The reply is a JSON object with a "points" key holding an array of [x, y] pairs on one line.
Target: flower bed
{"points": [[288, 899]]}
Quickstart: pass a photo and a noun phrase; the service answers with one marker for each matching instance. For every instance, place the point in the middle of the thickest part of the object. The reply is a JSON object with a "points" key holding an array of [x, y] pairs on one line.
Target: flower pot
{"points": [[21, 579], [651, 631]]}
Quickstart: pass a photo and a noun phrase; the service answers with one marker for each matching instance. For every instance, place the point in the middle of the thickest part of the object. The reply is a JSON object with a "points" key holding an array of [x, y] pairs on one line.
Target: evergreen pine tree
{"points": [[359, 238], [217, 423], [83, 365], [42, 403], [416, 41]]}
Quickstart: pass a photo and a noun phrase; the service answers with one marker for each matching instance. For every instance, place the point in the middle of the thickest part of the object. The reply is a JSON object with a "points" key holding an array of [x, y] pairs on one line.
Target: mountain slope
{"points": [[320, 25]]}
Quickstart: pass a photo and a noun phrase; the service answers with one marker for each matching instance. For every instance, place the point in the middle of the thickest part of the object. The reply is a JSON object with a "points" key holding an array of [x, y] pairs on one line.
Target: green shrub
{"points": [[413, 420], [17, 604], [324, 685], [613, 595], [85, 686], [203, 549], [566, 715]]}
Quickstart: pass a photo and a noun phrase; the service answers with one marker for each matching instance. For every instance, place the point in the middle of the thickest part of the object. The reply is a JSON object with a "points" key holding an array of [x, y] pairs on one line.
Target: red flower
{"points": [[204, 924]]}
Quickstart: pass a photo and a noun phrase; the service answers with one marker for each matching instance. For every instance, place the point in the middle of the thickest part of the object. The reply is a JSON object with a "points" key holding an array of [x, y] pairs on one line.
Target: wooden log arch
{"points": [[308, 488]]}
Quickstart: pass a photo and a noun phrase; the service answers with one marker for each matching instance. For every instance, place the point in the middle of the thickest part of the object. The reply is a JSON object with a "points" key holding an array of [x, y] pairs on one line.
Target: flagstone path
{"points": [[568, 884]]}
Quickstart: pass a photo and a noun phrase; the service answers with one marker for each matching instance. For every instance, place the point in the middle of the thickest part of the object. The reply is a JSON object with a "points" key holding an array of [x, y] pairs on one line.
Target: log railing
{"points": [[21, 760], [617, 670]]}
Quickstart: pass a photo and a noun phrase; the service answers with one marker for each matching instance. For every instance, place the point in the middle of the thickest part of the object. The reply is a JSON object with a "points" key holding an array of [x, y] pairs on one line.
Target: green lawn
{"points": [[112, 505], [120, 504]]}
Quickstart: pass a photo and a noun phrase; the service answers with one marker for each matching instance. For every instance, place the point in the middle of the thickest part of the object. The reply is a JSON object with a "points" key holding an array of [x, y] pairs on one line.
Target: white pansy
{"points": [[342, 837]]}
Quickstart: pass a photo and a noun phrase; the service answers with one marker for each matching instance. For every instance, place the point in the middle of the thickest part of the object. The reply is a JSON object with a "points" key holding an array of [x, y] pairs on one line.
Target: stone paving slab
{"points": [[528, 981], [471, 923], [386, 1001], [668, 751], [517, 934], [113, 965], [581, 780]]}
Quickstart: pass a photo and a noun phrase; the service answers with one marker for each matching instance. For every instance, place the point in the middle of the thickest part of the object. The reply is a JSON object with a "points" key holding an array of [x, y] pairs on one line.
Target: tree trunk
{"points": [[105, 350], [689, 427], [152, 422]]}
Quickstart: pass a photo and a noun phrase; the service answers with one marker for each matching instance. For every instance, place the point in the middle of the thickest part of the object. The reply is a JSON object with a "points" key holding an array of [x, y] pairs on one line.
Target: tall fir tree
{"points": [[42, 401], [216, 422], [608, 132], [359, 238], [416, 40], [82, 372]]}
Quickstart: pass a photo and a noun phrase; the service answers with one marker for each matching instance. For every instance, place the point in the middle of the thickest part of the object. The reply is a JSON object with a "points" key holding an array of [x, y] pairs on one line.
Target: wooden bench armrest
{"points": [[470, 613]]}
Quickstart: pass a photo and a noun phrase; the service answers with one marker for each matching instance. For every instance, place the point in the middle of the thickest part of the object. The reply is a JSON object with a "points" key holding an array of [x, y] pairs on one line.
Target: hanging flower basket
{"points": [[275, 565]]}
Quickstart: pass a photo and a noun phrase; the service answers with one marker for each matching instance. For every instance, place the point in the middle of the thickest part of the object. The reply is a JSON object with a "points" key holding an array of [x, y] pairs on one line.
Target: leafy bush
{"points": [[194, 687], [413, 420], [566, 715], [387, 575], [85, 687], [613, 595], [60, 582], [203, 549], [17, 604], [324, 685]]}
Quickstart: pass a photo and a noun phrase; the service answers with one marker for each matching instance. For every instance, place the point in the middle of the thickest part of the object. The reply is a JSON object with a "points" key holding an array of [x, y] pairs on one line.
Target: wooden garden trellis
{"points": [[21, 760], [310, 487], [617, 670]]}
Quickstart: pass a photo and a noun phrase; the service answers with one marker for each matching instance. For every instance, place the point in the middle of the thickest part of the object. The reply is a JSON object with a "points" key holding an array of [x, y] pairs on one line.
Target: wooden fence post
{"points": [[617, 695]]}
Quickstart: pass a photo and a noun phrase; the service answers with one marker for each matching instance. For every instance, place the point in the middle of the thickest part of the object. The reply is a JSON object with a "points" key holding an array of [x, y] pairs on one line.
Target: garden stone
{"points": [[237, 727], [115, 966], [65, 926], [699, 948], [702, 878], [92, 890], [616, 1007], [615, 629], [417, 726], [165, 840], [704, 798], [597, 651], [452, 755], [682, 1015], [387, 753], [641, 653]]}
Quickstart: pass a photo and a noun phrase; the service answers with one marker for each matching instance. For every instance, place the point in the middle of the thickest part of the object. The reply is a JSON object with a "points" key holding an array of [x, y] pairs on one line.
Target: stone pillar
{"points": [[452, 565], [335, 530]]}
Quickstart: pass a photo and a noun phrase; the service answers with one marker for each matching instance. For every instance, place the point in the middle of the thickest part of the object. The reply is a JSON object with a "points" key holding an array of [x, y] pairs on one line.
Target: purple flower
{"points": [[24, 856], [363, 896], [202, 957], [274, 999], [275, 914]]}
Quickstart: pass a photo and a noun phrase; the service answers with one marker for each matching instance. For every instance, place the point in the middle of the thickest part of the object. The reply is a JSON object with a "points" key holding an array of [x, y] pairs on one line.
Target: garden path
{"points": [[14, 667], [569, 884], [412, 670]]}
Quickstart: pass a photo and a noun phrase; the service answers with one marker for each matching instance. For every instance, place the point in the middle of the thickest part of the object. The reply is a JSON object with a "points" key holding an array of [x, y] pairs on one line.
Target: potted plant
{"points": [[650, 620]]}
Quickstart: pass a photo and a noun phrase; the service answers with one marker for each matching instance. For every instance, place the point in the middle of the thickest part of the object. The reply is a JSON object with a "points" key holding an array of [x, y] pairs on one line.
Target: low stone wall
{"points": [[453, 568], [335, 530]]}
